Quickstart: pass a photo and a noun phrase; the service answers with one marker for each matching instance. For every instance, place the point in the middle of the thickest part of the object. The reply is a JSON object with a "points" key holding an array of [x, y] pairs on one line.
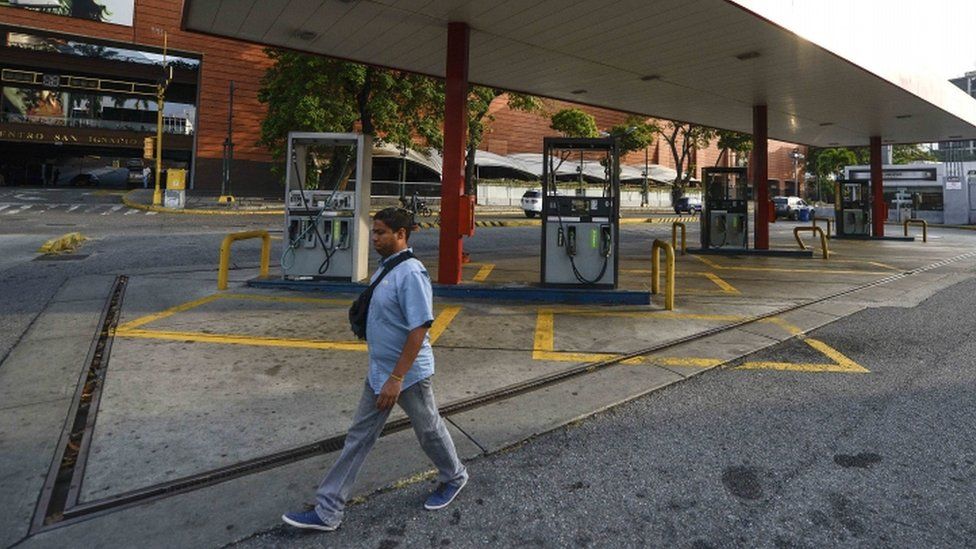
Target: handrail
{"points": [[821, 218], [656, 272], [225, 254], [917, 221], [674, 236], [814, 230]]}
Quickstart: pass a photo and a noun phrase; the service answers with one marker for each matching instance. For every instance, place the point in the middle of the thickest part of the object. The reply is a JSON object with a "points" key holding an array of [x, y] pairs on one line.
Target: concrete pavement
{"points": [[199, 381]]}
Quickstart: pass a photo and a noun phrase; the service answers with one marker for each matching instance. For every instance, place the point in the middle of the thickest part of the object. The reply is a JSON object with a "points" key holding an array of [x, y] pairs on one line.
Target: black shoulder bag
{"points": [[360, 307]]}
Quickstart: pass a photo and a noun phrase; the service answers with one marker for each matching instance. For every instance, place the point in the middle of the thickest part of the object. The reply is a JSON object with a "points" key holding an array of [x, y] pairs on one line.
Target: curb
{"points": [[65, 243], [148, 208]]}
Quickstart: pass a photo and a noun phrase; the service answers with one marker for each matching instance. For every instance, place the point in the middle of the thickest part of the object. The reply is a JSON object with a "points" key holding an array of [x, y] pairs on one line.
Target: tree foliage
{"points": [[907, 154], [732, 142], [634, 134], [480, 118], [574, 123], [683, 139], [318, 94]]}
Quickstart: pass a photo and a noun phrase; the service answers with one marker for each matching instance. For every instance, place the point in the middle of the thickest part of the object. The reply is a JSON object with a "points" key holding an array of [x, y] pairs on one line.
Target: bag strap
{"points": [[389, 267]]}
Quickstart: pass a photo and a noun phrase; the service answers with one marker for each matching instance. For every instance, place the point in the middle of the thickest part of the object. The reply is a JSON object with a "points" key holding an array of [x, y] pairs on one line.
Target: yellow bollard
{"points": [[669, 274], [814, 230], [225, 254], [827, 219], [674, 236], [923, 223]]}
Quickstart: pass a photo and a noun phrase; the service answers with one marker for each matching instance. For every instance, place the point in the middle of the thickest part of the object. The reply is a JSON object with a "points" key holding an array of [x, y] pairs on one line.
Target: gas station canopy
{"points": [[702, 61]]}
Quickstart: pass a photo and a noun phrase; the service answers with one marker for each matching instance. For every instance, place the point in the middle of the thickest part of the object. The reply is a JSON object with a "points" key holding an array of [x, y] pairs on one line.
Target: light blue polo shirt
{"points": [[401, 302]]}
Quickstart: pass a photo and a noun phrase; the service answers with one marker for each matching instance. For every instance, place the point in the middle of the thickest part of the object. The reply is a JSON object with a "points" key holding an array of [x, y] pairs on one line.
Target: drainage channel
{"points": [[59, 502]]}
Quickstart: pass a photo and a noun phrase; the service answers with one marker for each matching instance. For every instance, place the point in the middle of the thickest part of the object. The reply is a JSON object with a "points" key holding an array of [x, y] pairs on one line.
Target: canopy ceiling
{"points": [[703, 61]]}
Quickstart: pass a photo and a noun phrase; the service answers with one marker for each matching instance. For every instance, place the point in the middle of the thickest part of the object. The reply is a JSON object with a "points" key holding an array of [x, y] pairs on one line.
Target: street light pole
{"points": [[160, 95]]}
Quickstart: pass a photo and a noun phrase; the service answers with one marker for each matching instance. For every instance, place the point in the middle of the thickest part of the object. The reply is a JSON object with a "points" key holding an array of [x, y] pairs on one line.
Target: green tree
{"points": [[732, 142], [480, 118], [318, 94], [682, 140], [906, 154], [634, 134], [574, 123]]}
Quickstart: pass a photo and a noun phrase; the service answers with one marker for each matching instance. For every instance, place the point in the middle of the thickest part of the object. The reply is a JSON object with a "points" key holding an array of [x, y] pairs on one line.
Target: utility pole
{"points": [[160, 96], [225, 193]]}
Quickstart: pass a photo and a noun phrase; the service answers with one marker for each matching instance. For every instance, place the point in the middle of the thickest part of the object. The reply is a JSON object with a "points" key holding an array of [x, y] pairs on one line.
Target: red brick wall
{"points": [[519, 132]]}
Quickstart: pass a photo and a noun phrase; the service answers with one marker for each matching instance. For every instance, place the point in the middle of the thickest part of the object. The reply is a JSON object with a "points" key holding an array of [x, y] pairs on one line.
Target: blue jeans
{"points": [[418, 402]]}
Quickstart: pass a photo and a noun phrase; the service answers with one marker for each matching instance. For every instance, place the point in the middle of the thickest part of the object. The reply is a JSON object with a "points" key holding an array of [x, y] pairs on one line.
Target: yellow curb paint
{"points": [[142, 321], [725, 286], [442, 321], [257, 341], [132, 204], [484, 272]]}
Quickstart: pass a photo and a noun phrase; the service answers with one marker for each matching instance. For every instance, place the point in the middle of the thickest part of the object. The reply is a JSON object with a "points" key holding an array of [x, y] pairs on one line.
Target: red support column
{"points": [[878, 213], [452, 173], [760, 175]]}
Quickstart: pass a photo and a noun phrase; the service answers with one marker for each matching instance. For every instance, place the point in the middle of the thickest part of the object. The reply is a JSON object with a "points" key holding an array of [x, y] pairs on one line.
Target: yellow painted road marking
{"points": [[726, 287], [714, 265], [835, 355], [544, 338], [686, 361], [259, 341], [442, 321], [841, 362], [142, 321], [287, 299], [484, 272], [884, 265], [167, 313]]}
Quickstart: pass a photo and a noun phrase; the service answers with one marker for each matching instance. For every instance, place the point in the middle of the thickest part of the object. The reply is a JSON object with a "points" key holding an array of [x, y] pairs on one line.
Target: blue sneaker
{"points": [[309, 520], [443, 495]]}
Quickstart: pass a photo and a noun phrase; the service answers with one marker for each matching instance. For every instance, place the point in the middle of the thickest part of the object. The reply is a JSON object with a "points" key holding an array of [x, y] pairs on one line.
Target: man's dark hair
{"points": [[396, 219]]}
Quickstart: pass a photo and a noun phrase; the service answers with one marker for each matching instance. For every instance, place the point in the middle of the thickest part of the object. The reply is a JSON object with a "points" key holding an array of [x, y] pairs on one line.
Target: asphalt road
{"points": [[731, 458], [734, 458]]}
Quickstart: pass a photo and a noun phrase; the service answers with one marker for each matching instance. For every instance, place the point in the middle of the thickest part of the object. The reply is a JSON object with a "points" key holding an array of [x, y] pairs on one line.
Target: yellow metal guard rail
{"points": [[656, 272], [814, 230], [916, 221], [674, 236], [225, 254], [827, 219]]}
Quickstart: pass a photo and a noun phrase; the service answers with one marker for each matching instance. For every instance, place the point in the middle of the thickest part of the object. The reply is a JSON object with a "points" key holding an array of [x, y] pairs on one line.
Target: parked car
{"points": [[134, 176], [687, 204], [788, 207], [532, 203]]}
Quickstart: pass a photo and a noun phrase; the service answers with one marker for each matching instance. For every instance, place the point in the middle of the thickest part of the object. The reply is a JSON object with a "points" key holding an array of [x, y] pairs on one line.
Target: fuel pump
{"points": [[852, 208], [580, 232], [327, 188], [725, 211]]}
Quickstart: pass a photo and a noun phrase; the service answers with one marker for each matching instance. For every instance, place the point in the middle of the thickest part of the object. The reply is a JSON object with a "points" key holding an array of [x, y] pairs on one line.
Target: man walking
{"points": [[400, 366]]}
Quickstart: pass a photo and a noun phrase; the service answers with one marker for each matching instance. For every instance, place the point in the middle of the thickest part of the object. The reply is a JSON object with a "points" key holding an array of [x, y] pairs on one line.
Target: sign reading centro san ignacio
{"points": [[85, 136]]}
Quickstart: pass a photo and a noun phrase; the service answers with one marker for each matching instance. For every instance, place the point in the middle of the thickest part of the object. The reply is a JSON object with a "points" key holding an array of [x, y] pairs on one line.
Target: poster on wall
{"points": [[118, 12], [33, 105]]}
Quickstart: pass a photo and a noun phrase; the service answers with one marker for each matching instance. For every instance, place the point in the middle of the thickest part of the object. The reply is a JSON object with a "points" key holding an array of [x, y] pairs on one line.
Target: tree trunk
{"points": [[469, 182], [362, 102]]}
